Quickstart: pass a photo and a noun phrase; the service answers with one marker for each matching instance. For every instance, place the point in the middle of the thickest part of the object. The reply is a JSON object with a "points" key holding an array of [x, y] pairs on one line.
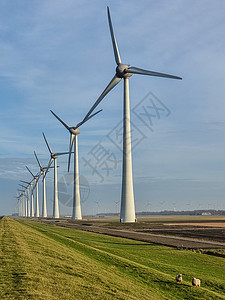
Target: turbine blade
{"points": [[94, 114], [62, 153], [72, 136], [49, 164], [23, 186], [82, 122], [60, 120], [25, 182], [134, 70], [30, 171], [115, 47], [109, 87], [47, 143], [37, 160]]}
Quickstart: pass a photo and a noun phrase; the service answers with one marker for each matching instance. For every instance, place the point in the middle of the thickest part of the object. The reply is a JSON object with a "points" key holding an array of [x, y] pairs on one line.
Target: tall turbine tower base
{"points": [[76, 213], [44, 204], [32, 202], [127, 212], [56, 200], [37, 215], [28, 202], [25, 203]]}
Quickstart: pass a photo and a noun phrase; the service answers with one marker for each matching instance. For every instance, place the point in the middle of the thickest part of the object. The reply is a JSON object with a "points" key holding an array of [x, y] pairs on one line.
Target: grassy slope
{"points": [[34, 266], [46, 262]]}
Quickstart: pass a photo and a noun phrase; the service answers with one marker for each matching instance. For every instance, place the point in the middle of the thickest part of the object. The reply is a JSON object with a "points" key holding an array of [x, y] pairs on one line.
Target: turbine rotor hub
{"points": [[120, 71], [75, 131]]}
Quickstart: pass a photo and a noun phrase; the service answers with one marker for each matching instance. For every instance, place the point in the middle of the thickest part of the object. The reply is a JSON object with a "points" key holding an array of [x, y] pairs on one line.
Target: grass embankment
{"points": [[39, 261]]}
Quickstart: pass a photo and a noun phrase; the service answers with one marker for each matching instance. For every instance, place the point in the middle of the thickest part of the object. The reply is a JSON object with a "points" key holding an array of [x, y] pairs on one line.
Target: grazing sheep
{"points": [[196, 282], [179, 278]]}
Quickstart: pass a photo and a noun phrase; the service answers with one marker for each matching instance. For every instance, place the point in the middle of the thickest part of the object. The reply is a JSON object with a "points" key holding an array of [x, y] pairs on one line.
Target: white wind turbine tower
{"points": [[23, 205], [35, 185], [19, 202], [97, 205], [32, 199], [31, 202], [25, 198], [53, 157], [74, 131], [44, 203], [20, 199], [28, 197], [124, 71], [116, 202]]}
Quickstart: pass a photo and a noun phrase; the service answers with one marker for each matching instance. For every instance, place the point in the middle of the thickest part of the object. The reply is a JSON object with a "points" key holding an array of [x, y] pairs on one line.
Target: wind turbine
{"points": [[43, 172], [97, 202], [124, 71], [20, 199], [53, 157], [116, 202], [74, 131], [28, 196], [25, 198], [36, 178]]}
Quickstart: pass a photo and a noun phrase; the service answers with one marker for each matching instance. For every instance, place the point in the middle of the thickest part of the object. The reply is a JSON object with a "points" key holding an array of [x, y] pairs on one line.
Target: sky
{"points": [[57, 55]]}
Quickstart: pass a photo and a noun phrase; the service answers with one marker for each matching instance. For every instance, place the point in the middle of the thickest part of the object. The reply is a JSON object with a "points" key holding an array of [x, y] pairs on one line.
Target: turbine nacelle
{"points": [[74, 130], [121, 71]]}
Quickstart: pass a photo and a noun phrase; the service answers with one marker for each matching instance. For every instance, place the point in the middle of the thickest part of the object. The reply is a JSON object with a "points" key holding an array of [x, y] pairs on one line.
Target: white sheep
{"points": [[196, 282], [179, 278]]}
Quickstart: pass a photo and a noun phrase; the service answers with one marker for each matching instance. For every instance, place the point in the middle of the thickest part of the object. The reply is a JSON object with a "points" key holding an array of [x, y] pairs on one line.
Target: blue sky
{"points": [[58, 55]]}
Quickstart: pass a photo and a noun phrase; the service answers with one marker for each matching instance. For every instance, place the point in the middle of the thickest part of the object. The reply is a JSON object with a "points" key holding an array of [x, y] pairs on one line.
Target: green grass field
{"points": [[39, 261]]}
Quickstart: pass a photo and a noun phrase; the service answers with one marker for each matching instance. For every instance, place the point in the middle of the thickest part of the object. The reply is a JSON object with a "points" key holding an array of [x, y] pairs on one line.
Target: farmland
{"points": [[45, 261]]}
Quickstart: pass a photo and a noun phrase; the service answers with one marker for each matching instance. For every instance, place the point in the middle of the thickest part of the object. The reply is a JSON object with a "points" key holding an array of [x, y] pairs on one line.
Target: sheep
{"points": [[196, 282], [179, 278]]}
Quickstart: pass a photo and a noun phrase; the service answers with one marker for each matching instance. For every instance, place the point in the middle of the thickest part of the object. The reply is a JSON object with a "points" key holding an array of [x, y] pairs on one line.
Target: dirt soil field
{"points": [[189, 233]]}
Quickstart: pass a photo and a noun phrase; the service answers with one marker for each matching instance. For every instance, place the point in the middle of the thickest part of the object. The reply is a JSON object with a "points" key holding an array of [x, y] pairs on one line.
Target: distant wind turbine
{"points": [[74, 131], [25, 198], [116, 202], [97, 202], [20, 199], [43, 172], [35, 185], [127, 213], [53, 157], [28, 197]]}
